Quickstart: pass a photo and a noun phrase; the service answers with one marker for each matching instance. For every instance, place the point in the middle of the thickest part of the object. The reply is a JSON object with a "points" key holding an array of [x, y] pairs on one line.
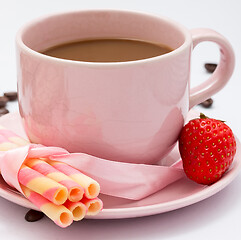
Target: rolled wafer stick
{"points": [[91, 187], [78, 209], [38, 189], [94, 206], [12, 137], [62, 216], [5, 145], [46, 187], [75, 191]]}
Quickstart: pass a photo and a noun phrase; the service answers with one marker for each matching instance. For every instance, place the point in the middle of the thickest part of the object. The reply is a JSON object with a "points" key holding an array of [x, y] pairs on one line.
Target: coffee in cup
{"points": [[107, 50]]}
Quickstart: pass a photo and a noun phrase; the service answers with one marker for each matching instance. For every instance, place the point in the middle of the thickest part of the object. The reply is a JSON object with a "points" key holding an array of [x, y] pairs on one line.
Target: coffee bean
{"points": [[210, 67], [33, 216], [12, 96], [3, 111], [208, 103], [3, 101]]}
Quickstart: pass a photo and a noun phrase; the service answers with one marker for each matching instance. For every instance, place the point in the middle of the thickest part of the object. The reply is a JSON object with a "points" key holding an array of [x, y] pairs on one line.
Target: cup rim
{"points": [[22, 45]]}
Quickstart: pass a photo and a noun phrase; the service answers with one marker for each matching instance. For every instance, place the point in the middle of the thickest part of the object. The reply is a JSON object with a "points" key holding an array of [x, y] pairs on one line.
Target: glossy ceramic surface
{"points": [[179, 194], [128, 111]]}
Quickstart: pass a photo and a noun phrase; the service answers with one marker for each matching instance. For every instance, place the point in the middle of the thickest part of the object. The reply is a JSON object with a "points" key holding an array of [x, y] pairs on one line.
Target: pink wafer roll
{"points": [[78, 209], [12, 137], [62, 216], [94, 206], [46, 187], [5, 145], [91, 187], [75, 191]]}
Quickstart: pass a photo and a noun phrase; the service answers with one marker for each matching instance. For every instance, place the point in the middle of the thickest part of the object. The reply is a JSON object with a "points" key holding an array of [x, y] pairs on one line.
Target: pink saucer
{"points": [[177, 195]]}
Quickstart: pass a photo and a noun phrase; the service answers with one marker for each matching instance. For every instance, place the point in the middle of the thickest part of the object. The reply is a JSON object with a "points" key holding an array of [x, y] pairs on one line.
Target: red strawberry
{"points": [[207, 147]]}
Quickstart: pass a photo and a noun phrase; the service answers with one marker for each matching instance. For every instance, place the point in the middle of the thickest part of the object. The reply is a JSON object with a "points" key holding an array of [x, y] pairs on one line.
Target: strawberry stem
{"points": [[203, 116]]}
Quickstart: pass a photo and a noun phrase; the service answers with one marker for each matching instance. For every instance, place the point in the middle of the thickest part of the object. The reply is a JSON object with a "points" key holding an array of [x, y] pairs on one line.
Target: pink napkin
{"points": [[126, 180]]}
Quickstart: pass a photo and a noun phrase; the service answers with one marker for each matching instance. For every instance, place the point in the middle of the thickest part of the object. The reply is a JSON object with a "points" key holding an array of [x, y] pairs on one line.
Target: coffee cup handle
{"points": [[222, 73]]}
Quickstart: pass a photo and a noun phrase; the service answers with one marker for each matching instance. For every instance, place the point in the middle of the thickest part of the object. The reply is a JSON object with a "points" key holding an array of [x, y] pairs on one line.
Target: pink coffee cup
{"points": [[122, 111]]}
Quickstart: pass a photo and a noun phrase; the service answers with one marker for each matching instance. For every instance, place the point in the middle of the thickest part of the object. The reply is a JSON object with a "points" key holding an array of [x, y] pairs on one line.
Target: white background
{"points": [[217, 217]]}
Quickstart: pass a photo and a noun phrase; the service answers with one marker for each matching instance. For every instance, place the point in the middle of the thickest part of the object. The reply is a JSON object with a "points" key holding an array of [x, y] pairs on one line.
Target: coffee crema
{"points": [[107, 50]]}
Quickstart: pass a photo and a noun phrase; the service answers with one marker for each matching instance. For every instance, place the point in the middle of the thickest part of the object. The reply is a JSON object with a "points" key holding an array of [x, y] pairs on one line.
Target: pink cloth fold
{"points": [[125, 180]]}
